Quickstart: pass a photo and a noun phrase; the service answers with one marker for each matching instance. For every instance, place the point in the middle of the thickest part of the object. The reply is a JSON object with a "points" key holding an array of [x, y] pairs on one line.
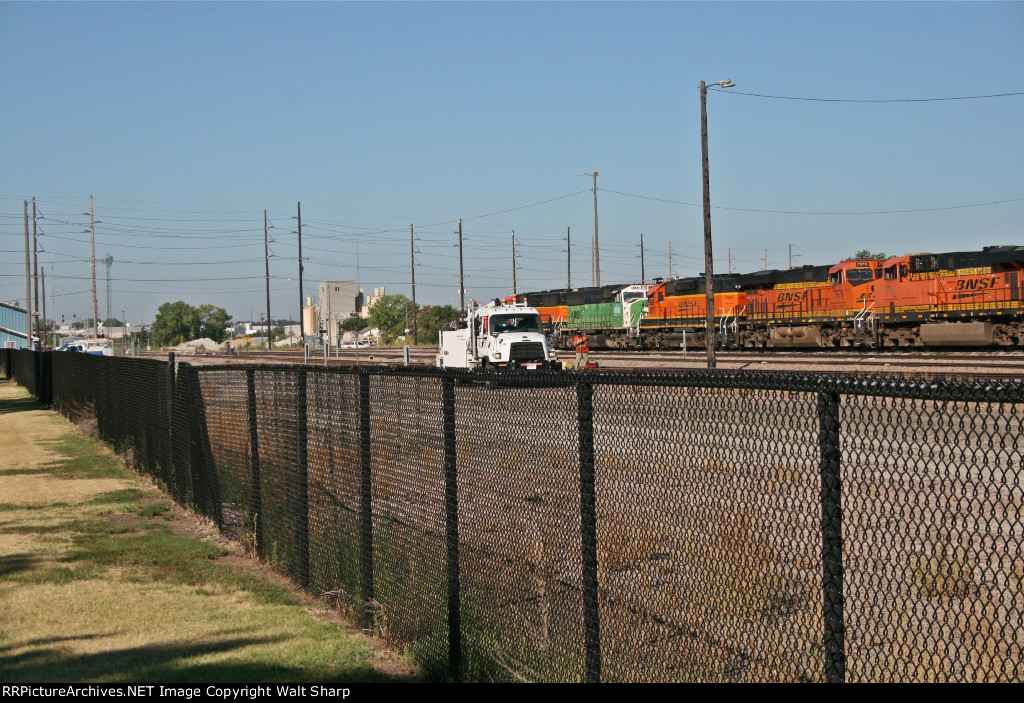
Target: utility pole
{"points": [[412, 265], [643, 275], [765, 260], [730, 258], [35, 264], [462, 278], [53, 293], [670, 260], [790, 256], [595, 252], [709, 277], [514, 290], [28, 286], [266, 259], [109, 260], [92, 241], [568, 259], [43, 342], [302, 302]]}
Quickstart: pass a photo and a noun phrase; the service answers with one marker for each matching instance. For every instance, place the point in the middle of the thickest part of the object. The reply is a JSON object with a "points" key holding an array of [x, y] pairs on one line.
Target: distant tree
{"points": [[432, 320], [175, 323], [279, 332], [390, 314], [352, 324], [112, 322], [213, 322], [865, 254]]}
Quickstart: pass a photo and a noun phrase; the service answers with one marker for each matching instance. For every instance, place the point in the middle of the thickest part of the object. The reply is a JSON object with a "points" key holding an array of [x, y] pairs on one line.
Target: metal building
{"points": [[12, 326]]}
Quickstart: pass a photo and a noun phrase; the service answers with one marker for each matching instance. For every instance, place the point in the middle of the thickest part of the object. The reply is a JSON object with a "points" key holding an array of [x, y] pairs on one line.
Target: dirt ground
{"points": [[26, 430]]}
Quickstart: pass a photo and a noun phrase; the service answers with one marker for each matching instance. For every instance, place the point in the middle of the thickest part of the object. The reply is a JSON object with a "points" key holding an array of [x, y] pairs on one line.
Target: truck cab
{"points": [[499, 335]]}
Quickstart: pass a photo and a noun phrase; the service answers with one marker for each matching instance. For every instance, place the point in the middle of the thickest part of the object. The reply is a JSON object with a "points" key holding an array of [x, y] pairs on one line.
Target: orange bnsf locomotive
{"points": [[953, 299]]}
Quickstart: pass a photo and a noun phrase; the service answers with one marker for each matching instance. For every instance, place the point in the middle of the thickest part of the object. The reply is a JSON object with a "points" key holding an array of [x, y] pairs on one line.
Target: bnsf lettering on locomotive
{"points": [[975, 283], [792, 297]]}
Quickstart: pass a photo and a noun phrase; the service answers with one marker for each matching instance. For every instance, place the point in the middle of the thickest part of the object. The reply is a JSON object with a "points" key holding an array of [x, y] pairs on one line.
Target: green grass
{"points": [[100, 585], [82, 457]]}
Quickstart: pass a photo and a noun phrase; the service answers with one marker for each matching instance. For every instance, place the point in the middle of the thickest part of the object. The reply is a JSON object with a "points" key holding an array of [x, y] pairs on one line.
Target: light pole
{"points": [[709, 281]]}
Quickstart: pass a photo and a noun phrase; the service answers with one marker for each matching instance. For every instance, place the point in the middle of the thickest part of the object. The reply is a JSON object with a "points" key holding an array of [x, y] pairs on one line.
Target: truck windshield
{"points": [[515, 323]]}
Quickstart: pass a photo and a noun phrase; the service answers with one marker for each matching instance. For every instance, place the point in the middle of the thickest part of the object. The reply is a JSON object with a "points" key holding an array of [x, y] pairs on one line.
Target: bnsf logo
{"points": [[975, 283], [792, 297]]}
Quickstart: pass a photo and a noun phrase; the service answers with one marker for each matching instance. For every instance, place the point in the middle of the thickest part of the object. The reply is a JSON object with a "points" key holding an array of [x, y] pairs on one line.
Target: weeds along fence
{"points": [[685, 526]]}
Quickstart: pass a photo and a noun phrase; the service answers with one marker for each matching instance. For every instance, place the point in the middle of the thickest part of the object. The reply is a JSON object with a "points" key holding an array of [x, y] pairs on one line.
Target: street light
{"points": [[709, 281]]}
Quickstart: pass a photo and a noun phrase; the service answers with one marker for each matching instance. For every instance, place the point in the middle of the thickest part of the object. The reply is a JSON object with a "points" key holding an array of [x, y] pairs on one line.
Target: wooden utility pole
{"points": [[92, 241], [568, 258], [514, 290], [595, 252], [709, 278], [643, 276], [462, 277], [28, 286], [302, 302], [412, 266], [670, 260], [266, 259], [43, 343], [35, 266]]}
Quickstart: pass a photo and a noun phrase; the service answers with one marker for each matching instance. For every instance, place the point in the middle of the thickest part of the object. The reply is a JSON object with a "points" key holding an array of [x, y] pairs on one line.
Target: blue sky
{"points": [[186, 120]]}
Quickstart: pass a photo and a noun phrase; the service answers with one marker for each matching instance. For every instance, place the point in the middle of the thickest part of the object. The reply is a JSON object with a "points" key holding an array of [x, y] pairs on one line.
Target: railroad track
{"points": [[967, 364]]}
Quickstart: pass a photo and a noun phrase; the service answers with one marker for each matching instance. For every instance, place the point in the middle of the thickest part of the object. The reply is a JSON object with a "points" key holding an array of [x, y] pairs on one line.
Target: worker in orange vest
{"points": [[582, 345]]}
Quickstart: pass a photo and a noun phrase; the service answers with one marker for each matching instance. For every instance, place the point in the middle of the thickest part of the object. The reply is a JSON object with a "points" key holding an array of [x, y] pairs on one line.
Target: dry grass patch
{"points": [[100, 583]]}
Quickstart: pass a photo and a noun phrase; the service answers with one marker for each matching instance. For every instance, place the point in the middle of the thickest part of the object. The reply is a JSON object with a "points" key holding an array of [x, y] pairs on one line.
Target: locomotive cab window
{"points": [[890, 273], [836, 278], [857, 277]]}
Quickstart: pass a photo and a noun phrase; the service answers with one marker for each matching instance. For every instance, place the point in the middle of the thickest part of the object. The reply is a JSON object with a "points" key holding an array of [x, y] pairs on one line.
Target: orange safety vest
{"points": [[582, 344]]}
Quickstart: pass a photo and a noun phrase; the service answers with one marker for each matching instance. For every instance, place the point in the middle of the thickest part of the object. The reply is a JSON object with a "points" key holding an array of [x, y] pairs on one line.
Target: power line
{"points": [[806, 212], [855, 100]]}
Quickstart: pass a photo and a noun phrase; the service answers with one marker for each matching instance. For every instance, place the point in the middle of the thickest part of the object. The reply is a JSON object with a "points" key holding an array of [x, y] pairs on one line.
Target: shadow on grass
{"points": [[16, 405], [163, 663], [12, 564]]}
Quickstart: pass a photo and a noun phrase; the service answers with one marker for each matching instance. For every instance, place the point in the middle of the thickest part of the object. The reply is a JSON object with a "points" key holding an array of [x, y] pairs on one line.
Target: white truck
{"points": [[498, 335]]}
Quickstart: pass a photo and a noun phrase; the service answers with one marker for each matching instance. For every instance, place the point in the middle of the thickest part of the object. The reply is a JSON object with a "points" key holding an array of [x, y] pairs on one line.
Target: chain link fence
{"points": [[669, 526]]}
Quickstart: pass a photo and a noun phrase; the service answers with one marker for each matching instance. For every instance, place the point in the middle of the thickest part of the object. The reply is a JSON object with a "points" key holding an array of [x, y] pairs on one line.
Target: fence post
{"points": [[832, 536], [451, 504], [365, 501], [48, 365], [588, 529], [196, 465], [256, 496], [303, 478], [170, 475], [43, 380]]}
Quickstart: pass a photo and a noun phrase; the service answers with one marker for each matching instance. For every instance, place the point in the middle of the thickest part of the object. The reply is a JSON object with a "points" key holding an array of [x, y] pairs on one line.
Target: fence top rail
{"points": [[967, 390]]}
